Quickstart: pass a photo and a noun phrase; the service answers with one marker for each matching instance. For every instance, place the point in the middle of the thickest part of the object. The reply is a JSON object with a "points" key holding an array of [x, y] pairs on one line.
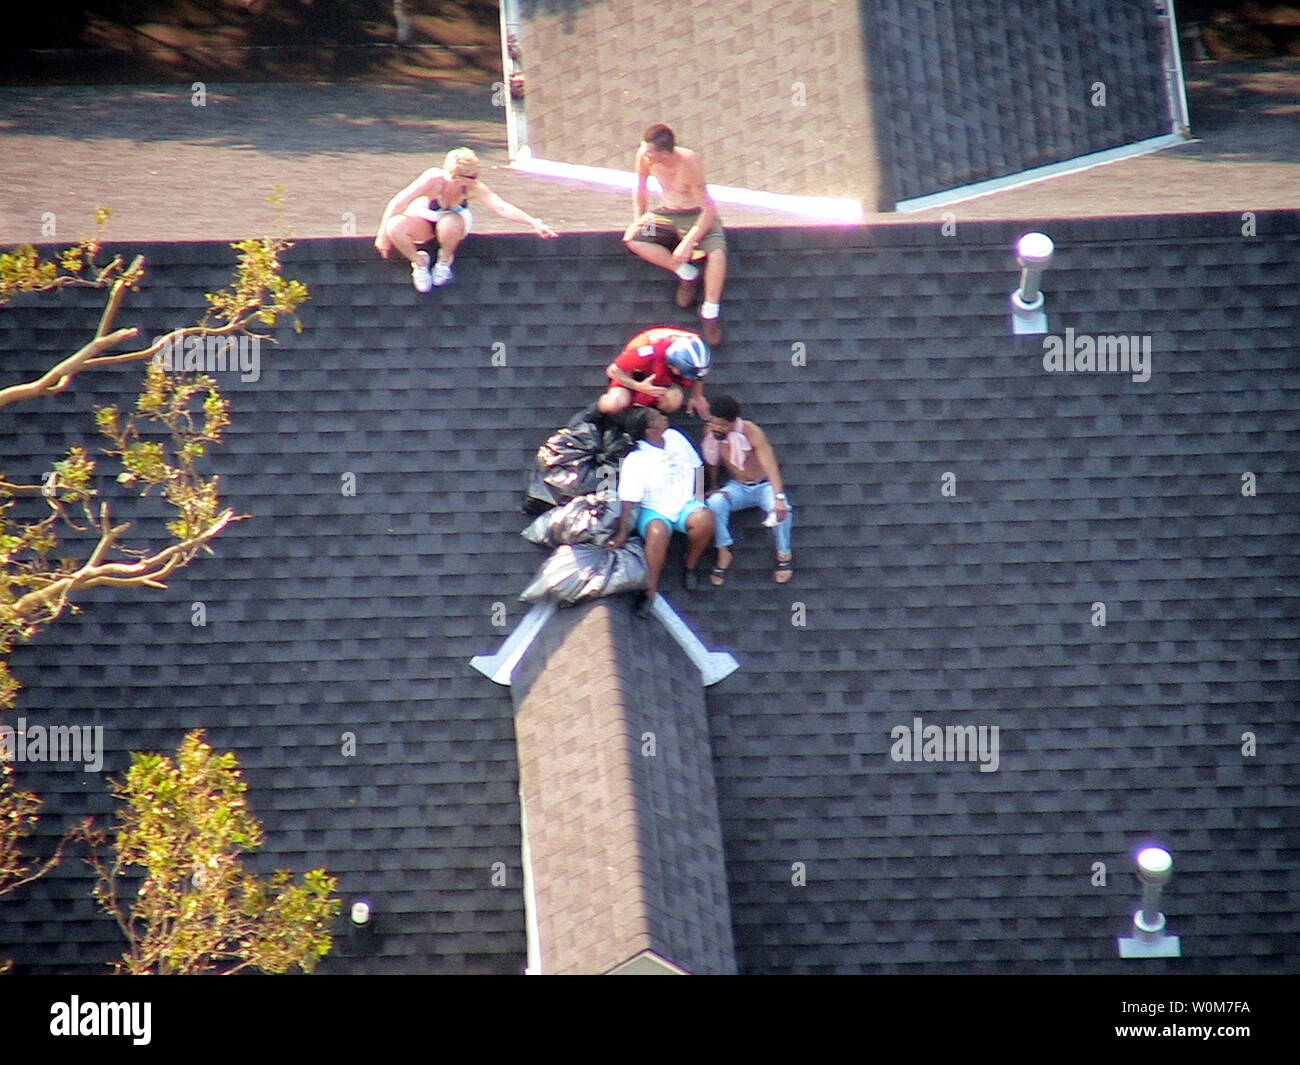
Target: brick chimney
{"points": [[623, 844]]}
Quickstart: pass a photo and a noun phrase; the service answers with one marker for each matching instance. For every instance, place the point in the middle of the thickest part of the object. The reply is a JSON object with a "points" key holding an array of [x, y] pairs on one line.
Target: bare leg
{"points": [[671, 401], [699, 534], [451, 231], [406, 233], [615, 400], [653, 253], [715, 273], [657, 535]]}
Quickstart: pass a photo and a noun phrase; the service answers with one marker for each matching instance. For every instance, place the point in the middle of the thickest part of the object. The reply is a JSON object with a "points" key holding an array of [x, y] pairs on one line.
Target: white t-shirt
{"points": [[661, 478]]}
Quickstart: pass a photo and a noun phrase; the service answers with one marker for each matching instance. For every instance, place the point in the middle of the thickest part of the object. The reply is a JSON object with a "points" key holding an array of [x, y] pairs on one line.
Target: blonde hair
{"points": [[459, 159]]}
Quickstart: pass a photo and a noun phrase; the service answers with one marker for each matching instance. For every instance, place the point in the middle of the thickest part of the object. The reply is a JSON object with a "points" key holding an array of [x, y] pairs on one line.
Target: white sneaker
{"points": [[420, 276], [441, 273]]}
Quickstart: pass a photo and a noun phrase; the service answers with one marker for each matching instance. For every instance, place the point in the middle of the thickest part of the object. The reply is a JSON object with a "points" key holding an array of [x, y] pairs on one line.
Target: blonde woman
{"points": [[436, 206]]}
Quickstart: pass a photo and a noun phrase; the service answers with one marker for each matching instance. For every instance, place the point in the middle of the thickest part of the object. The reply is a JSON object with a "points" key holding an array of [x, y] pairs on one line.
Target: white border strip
{"points": [[516, 118], [1040, 173], [825, 208], [532, 935], [1182, 121]]}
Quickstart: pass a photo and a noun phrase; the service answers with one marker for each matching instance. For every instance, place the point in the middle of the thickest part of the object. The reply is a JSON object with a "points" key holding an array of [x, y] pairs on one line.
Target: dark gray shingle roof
{"points": [[968, 92], [330, 613]]}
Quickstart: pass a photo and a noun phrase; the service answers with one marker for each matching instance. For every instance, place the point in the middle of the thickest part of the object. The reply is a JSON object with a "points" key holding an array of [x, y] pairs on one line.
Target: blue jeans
{"points": [[736, 495]]}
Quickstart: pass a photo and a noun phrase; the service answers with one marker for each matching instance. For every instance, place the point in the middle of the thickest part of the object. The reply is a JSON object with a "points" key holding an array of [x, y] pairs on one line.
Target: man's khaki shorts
{"points": [[669, 225]]}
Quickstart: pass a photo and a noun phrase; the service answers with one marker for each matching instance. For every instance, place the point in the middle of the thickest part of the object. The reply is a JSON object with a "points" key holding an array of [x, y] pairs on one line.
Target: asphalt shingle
{"points": [[329, 613]]}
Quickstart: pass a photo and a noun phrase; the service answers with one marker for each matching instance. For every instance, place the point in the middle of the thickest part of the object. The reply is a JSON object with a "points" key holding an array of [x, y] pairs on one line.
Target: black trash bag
{"points": [[583, 456], [589, 519], [577, 572], [538, 498], [569, 460], [614, 439]]}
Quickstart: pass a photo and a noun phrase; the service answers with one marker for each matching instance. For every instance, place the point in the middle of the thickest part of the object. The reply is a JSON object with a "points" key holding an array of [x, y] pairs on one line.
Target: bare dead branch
{"points": [[116, 296], [80, 832], [147, 571], [58, 377], [157, 346]]}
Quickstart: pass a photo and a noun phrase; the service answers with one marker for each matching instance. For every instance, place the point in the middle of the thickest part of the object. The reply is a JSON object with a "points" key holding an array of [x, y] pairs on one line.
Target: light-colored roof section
{"points": [[184, 173]]}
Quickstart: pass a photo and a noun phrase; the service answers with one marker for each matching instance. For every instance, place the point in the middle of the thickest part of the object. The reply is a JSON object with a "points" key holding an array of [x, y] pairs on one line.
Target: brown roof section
{"points": [[774, 96], [620, 804], [184, 173]]}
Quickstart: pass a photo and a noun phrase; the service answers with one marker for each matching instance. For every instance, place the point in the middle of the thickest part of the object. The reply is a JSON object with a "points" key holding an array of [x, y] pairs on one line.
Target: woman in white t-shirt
{"points": [[664, 478]]}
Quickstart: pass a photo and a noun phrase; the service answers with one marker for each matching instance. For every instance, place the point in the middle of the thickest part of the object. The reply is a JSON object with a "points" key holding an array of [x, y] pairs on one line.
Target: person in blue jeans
{"points": [[755, 481]]}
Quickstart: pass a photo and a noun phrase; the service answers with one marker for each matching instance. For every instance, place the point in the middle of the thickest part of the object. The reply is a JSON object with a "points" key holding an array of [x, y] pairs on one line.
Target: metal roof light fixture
{"points": [[1034, 254], [1155, 866]]}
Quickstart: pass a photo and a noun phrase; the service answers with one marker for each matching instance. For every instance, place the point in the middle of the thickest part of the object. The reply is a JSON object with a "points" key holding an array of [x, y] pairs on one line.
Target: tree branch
{"points": [[147, 571], [80, 832], [118, 292], [57, 378], [176, 335]]}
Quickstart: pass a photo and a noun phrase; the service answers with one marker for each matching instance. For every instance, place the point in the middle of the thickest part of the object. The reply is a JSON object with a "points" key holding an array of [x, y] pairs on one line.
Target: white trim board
{"points": [[825, 208], [1041, 173]]}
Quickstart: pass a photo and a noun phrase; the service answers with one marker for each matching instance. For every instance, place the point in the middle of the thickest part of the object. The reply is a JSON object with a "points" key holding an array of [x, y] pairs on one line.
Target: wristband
{"points": [[780, 495]]}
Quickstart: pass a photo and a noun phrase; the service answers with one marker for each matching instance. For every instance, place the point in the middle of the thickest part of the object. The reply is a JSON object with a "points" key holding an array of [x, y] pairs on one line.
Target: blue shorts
{"points": [[645, 516]]}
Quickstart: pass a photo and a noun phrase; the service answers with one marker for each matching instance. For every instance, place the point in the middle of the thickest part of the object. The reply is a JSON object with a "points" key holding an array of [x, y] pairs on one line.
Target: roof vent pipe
{"points": [[1155, 866], [1034, 254]]}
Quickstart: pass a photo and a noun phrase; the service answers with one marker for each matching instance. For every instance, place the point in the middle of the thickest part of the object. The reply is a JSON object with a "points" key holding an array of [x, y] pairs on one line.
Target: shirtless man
{"points": [[657, 236], [436, 204], [755, 482]]}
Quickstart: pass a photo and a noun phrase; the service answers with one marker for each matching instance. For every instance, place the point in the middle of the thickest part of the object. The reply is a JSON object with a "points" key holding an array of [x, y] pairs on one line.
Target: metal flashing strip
{"points": [[713, 665], [826, 208], [647, 963], [1162, 947], [500, 666], [1040, 173]]}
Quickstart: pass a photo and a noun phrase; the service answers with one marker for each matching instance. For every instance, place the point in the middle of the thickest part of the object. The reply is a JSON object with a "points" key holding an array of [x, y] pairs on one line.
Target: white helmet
{"points": [[690, 357]]}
